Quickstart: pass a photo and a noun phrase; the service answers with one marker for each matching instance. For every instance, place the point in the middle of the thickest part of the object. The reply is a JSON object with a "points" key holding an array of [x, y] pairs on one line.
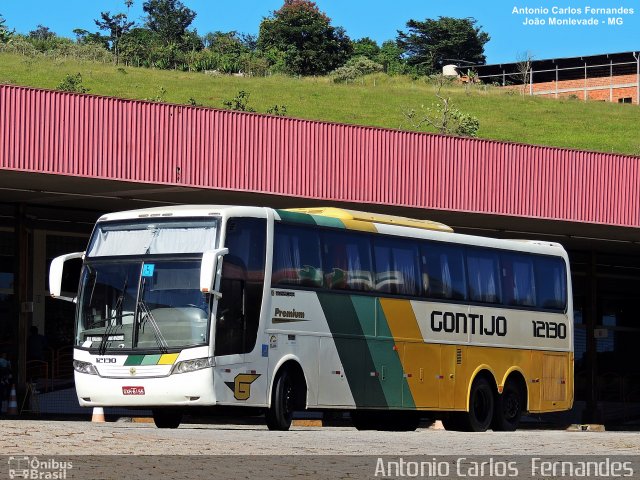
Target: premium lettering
{"points": [[289, 313]]}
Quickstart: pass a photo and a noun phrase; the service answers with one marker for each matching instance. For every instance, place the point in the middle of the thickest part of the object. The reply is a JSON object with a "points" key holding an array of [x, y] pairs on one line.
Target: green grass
{"points": [[377, 101]]}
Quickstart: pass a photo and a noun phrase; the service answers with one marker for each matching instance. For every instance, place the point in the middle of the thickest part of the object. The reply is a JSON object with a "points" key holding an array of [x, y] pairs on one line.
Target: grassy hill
{"points": [[377, 100]]}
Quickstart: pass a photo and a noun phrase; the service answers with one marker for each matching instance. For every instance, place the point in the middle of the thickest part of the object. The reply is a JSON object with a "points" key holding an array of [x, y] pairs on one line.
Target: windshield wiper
{"points": [[105, 339], [157, 334]]}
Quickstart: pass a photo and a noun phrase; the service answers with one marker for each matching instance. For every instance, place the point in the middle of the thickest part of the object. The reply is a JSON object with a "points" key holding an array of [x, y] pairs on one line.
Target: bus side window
{"points": [[484, 279], [347, 261], [552, 283], [296, 257], [443, 271], [518, 280], [397, 267], [242, 285]]}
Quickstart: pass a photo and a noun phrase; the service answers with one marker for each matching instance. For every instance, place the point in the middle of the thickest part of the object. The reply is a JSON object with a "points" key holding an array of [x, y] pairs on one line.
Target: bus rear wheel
{"points": [[167, 417], [283, 402], [509, 407], [481, 408]]}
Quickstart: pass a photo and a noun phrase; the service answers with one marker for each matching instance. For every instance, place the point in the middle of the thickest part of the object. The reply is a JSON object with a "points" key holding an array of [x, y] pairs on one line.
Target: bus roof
{"points": [[358, 220], [181, 211], [342, 218]]}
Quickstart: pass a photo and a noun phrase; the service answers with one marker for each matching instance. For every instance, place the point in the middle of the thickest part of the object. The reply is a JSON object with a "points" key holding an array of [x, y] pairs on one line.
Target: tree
{"points": [[117, 25], [366, 47], [249, 41], [85, 37], [41, 33], [44, 40], [390, 57], [5, 34], [224, 42], [191, 41], [230, 42], [443, 116], [303, 37], [137, 47], [428, 45], [523, 70], [169, 19]]}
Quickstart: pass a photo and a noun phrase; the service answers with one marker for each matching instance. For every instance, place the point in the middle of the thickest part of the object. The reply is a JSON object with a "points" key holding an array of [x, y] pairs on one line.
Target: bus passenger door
{"points": [[230, 317], [238, 314]]}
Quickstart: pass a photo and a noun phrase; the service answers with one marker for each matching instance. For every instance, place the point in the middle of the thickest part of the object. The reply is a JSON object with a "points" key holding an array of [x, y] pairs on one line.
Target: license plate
{"points": [[133, 390]]}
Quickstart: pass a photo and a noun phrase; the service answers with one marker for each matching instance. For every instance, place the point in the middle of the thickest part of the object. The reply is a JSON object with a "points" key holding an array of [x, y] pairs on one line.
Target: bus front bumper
{"points": [[192, 388]]}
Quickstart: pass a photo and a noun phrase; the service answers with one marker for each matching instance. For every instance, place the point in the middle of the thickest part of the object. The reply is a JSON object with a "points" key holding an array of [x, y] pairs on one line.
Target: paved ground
{"points": [[22, 437]]}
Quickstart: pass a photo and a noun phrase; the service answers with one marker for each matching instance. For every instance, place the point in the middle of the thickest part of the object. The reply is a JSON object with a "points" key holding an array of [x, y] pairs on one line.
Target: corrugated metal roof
{"points": [[100, 137]]}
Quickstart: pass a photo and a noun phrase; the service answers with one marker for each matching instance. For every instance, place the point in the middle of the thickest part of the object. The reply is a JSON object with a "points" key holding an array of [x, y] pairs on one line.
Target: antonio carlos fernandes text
{"points": [[476, 468]]}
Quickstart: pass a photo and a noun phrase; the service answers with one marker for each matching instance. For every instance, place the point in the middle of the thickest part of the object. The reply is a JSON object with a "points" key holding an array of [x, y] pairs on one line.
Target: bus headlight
{"points": [[84, 367], [193, 365]]}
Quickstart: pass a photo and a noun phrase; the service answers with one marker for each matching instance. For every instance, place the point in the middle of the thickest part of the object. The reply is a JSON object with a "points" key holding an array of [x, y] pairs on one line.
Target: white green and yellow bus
{"points": [[390, 318]]}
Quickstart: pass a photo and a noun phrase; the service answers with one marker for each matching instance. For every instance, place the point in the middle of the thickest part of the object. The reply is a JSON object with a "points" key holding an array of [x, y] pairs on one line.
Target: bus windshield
{"points": [[140, 287], [153, 305]]}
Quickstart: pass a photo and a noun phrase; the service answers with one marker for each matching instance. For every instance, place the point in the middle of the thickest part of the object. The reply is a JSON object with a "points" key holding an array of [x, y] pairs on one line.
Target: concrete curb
{"points": [[141, 420], [307, 423]]}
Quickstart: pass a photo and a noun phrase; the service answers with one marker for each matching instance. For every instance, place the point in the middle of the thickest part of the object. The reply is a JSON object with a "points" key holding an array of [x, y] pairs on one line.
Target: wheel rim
{"points": [[511, 406], [287, 403]]}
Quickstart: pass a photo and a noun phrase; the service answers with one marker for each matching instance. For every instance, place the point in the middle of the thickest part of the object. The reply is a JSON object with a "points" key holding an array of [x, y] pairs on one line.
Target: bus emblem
{"points": [[132, 370], [241, 385]]}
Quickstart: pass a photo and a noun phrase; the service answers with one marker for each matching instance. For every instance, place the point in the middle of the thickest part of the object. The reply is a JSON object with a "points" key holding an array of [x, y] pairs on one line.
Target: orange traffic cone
{"points": [[13, 402], [98, 415]]}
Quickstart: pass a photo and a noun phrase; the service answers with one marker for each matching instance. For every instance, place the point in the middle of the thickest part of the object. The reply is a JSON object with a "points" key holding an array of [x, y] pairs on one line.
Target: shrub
{"points": [[239, 103], [356, 67], [72, 83], [20, 46], [56, 48], [278, 110]]}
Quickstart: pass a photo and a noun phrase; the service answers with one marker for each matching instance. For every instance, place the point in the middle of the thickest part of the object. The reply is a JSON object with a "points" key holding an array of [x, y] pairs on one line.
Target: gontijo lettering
{"points": [[463, 323]]}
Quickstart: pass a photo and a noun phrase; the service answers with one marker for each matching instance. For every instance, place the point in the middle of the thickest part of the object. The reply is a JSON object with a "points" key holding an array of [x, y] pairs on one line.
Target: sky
{"points": [[381, 19]]}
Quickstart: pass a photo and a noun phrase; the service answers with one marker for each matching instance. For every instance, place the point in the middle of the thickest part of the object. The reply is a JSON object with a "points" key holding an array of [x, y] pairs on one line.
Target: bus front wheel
{"points": [[167, 417], [283, 401]]}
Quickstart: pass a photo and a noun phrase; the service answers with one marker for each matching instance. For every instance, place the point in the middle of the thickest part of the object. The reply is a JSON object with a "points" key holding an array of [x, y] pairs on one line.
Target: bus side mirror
{"points": [[55, 275], [209, 267]]}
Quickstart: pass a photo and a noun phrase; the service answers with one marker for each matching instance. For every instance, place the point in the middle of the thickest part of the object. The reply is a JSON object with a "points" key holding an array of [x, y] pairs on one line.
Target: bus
{"points": [[322, 309]]}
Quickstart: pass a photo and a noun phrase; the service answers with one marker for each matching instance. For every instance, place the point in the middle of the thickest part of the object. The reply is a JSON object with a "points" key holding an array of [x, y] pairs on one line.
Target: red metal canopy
{"points": [[108, 138]]}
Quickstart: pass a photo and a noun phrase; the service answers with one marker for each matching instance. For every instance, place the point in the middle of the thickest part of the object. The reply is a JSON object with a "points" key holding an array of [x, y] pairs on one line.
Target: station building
{"points": [[65, 159], [608, 77]]}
